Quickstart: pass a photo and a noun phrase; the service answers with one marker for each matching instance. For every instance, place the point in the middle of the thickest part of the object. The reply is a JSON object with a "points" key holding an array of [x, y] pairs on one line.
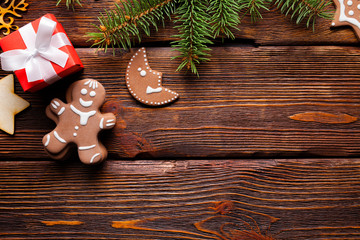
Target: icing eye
{"points": [[92, 94], [83, 91], [143, 73]]}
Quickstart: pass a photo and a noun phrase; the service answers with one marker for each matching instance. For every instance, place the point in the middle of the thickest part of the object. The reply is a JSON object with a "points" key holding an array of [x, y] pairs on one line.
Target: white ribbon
{"points": [[41, 50]]}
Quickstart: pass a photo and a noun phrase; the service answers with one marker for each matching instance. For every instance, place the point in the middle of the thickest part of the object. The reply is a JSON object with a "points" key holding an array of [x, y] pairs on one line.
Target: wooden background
{"points": [[264, 145]]}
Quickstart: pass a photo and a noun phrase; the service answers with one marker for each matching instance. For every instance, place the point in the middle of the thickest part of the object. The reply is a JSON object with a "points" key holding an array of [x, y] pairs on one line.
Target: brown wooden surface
{"points": [[189, 199], [243, 105], [265, 142]]}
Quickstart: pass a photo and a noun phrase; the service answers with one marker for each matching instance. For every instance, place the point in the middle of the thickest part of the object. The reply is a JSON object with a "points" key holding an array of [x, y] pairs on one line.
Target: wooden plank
{"points": [[216, 199], [267, 101], [274, 29]]}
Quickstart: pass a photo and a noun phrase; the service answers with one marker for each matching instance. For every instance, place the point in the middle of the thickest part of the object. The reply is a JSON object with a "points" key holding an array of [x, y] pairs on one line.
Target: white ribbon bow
{"points": [[41, 50]]}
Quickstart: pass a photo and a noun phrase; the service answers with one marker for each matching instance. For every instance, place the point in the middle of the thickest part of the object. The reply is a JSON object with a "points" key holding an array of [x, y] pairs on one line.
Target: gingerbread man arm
{"points": [[57, 106], [107, 121]]}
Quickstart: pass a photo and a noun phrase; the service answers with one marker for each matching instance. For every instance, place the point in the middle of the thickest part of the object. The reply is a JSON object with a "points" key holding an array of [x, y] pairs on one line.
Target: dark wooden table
{"points": [[264, 145]]}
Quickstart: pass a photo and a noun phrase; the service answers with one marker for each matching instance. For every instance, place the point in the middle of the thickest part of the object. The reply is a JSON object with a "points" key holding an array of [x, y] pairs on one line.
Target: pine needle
{"points": [[70, 3], [254, 7], [306, 10]]}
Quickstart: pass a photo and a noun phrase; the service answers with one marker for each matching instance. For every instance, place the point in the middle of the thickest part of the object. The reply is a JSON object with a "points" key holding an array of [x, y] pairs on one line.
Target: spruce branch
{"points": [[224, 17], [254, 7], [121, 26], [70, 3], [307, 10], [194, 33], [197, 21]]}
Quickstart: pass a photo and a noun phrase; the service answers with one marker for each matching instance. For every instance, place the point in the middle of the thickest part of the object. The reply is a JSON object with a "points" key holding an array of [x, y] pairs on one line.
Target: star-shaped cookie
{"points": [[347, 13], [10, 104]]}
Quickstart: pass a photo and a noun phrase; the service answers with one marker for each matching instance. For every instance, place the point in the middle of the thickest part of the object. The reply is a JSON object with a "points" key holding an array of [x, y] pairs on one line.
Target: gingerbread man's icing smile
{"points": [[85, 103]]}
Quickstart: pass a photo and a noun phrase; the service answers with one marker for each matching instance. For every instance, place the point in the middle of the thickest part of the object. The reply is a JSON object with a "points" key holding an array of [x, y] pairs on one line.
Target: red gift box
{"points": [[47, 69]]}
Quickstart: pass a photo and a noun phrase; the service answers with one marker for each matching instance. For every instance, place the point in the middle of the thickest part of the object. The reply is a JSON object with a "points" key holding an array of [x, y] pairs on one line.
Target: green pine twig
{"points": [[308, 10], [194, 33], [254, 7], [224, 17], [121, 26], [70, 3]]}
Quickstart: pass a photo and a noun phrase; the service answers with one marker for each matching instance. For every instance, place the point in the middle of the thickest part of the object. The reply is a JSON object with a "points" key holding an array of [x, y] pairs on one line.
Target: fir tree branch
{"points": [[70, 3], [194, 31], [305, 9], [253, 7], [224, 17], [119, 27], [196, 21]]}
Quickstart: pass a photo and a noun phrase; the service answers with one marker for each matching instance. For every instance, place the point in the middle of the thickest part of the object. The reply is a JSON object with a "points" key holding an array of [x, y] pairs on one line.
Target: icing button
{"points": [[143, 73]]}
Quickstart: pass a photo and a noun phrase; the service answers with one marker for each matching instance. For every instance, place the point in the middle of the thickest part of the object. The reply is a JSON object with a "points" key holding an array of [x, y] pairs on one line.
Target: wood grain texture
{"points": [[274, 29], [253, 100], [240, 107], [216, 199]]}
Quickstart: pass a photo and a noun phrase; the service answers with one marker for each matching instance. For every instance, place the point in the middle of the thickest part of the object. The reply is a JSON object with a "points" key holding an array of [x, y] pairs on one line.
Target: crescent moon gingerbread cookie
{"points": [[347, 13], [145, 84], [79, 122]]}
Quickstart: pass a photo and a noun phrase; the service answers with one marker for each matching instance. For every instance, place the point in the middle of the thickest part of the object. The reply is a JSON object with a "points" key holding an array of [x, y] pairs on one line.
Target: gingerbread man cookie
{"points": [[79, 122]]}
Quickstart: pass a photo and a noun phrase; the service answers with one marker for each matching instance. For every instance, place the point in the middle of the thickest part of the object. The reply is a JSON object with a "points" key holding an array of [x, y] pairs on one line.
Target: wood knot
{"points": [[223, 207]]}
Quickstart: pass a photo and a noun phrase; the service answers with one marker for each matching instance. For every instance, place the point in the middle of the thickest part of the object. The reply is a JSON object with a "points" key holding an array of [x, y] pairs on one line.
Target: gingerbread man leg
{"points": [[92, 152], [54, 143]]}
